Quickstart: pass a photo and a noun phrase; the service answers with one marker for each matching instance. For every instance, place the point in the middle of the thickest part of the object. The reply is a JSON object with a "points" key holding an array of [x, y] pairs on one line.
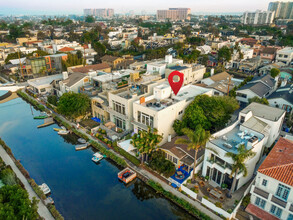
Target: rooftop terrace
{"points": [[231, 140]]}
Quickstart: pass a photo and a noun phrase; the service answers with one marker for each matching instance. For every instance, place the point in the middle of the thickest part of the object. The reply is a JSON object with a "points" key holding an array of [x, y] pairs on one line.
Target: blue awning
{"points": [[96, 119]]}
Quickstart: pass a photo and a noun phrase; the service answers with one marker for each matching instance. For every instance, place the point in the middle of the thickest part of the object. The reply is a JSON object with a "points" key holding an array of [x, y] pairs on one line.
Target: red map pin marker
{"points": [[176, 86]]}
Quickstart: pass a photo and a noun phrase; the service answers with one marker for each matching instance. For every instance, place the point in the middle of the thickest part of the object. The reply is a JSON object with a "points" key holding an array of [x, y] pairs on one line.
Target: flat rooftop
{"points": [[231, 140], [46, 80], [187, 93]]}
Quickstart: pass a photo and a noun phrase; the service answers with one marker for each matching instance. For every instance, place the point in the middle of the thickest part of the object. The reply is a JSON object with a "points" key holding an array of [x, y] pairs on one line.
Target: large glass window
{"points": [[260, 202], [118, 107], [283, 192], [120, 123], [290, 217], [145, 119], [276, 211]]}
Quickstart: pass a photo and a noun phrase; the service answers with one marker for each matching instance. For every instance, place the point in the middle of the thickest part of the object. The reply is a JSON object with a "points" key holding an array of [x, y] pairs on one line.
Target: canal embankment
{"points": [[183, 201]]}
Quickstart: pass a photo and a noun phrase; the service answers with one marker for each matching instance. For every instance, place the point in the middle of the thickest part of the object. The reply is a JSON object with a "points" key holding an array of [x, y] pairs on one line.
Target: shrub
{"points": [[230, 211], [159, 163], [37, 189], [218, 204], [245, 201], [55, 212]]}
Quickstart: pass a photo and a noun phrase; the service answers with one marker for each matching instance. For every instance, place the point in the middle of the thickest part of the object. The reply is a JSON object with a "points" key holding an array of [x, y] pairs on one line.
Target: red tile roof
{"points": [[66, 49], [259, 213], [279, 162]]}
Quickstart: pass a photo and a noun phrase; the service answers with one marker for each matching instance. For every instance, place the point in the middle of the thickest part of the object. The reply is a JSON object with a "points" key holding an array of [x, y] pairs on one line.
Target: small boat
{"points": [[81, 140], [97, 157], [81, 146], [57, 129], [45, 188], [41, 117], [63, 132], [126, 175]]}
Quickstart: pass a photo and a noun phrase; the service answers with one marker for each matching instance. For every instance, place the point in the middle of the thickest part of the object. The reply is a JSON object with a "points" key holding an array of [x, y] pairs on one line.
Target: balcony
{"points": [[261, 193], [120, 115], [279, 201]]}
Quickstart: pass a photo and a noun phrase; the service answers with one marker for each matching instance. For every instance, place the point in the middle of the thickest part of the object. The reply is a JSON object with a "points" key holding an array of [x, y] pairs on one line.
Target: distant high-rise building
{"points": [[174, 14], [258, 17], [99, 12], [283, 10]]}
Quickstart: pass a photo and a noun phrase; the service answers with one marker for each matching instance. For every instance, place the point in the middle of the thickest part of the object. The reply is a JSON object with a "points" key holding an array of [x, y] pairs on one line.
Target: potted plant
{"points": [[207, 178]]}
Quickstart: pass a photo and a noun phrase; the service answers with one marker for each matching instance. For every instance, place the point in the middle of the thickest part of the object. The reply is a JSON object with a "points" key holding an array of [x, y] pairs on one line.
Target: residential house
{"points": [[272, 192], [181, 155], [99, 108], [257, 126], [285, 55], [268, 53], [192, 73], [260, 87], [249, 41], [250, 65], [101, 67], [205, 49], [43, 85], [112, 61], [267, 68], [159, 66], [282, 98], [152, 110]]}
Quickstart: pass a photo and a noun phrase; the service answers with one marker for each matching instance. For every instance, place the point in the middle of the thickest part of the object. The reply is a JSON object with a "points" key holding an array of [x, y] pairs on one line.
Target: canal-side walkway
{"points": [[42, 209], [142, 171]]}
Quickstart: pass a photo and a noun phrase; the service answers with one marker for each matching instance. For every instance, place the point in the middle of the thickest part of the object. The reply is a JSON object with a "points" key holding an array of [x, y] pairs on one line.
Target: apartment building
{"points": [[285, 55], [257, 126], [153, 110], [99, 12], [174, 14], [192, 73], [272, 192], [283, 10], [258, 17]]}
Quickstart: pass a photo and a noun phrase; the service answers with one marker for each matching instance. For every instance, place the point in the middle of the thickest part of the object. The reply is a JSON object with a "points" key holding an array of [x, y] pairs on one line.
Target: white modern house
{"points": [[160, 109], [257, 126], [282, 98], [43, 85], [272, 192], [160, 65], [285, 55], [192, 73]]}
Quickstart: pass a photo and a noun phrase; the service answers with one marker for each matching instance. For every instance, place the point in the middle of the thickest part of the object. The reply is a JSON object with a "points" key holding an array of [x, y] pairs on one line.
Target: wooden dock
{"points": [[47, 122]]}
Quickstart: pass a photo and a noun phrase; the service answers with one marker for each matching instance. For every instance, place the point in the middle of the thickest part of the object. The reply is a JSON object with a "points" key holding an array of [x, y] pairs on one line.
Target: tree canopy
{"points": [[72, 60], [259, 100], [74, 104], [275, 72], [15, 204], [212, 113], [224, 54], [90, 19]]}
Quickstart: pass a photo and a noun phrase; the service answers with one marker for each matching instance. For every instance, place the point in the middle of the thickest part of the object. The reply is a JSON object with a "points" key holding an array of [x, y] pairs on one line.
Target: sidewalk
{"points": [[42, 209]]}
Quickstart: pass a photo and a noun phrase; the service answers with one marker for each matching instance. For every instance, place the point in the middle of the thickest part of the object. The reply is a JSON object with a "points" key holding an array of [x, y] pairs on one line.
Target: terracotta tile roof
{"points": [[269, 50], [259, 213], [279, 162], [66, 49], [88, 68]]}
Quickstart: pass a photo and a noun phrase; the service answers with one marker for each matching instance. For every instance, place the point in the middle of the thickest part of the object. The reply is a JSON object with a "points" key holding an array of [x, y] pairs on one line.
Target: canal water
{"points": [[80, 188]]}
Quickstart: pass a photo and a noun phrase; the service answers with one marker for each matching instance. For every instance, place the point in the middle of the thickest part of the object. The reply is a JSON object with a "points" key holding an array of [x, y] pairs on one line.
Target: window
{"points": [[180, 112], [283, 192], [290, 217], [145, 119], [174, 160], [118, 107], [285, 56], [242, 119], [264, 182], [241, 95], [43, 90], [260, 202], [276, 211]]}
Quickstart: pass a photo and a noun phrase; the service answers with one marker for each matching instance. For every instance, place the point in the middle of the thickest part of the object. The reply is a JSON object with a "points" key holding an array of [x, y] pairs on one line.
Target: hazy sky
{"points": [[13, 7]]}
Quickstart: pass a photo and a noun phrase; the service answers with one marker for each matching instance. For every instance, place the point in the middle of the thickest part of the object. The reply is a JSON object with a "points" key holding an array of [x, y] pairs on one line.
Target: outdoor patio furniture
{"points": [[201, 183], [215, 194], [196, 186], [208, 189]]}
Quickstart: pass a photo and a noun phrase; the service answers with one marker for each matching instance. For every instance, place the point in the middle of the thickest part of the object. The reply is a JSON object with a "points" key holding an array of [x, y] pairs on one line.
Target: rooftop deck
{"points": [[231, 140]]}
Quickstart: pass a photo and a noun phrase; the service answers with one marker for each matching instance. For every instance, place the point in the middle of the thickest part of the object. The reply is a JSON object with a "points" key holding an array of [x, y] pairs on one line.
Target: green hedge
{"points": [[30, 100], [181, 202], [37, 189], [125, 154]]}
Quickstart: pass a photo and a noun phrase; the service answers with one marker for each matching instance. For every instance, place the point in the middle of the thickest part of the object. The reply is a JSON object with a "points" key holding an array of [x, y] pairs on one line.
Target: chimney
{"points": [[65, 75], [212, 71], [169, 138], [142, 100]]}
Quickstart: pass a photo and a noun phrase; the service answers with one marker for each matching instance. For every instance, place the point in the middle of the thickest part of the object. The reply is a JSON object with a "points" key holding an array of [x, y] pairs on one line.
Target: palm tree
{"points": [[146, 141], [196, 139], [239, 163]]}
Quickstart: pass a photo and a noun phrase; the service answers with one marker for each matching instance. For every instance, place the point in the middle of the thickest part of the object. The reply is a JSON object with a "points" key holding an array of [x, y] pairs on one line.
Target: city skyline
{"points": [[54, 7]]}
